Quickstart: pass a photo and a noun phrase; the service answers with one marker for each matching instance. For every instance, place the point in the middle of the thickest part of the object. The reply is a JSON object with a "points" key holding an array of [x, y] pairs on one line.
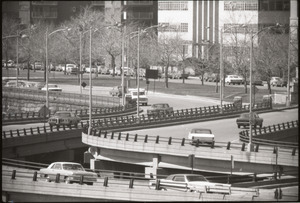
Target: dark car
{"points": [[162, 108], [243, 120], [64, 118]]}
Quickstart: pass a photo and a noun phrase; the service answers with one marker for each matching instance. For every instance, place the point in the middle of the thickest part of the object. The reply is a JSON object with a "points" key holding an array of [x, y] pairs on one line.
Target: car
{"points": [[244, 118], [256, 82], [161, 108], [116, 91], [233, 79], [38, 66], [189, 183], [201, 134], [64, 118], [52, 87], [71, 69], [70, 172], [277, 81]]}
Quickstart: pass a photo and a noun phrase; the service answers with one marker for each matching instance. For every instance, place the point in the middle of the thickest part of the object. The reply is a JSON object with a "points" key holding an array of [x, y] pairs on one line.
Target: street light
{"points": [[17, 36], [138, 64], [80, 56], [250, 145], [46, 69]]}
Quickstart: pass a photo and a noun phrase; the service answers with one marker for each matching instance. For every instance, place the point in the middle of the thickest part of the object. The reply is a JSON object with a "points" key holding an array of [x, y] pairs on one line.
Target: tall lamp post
{"points": [[17, 36], [47, 35], [80, 57], [250, 145], [138, 64]]}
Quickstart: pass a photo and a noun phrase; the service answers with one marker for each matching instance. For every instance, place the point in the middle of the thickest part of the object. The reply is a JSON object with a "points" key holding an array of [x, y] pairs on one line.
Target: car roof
{"points": [[63, 162], [63, 112], [184, 174], [201, 129]]}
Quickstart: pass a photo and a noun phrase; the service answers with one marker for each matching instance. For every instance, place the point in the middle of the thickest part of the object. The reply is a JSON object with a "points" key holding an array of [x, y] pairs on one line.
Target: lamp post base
{"points": [[250, 147]]}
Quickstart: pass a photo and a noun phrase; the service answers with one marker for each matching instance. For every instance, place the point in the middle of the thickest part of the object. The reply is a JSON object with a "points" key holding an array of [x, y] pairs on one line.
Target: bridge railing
{"points": [[58, 97], [244, 135], [82, 112]]}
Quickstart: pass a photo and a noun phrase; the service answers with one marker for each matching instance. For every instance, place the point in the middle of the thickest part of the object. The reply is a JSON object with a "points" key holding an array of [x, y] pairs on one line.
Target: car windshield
{"points": [[196, 178], [73, 167], [201, 131], [141, 93], [63, 114], [52, 86]]}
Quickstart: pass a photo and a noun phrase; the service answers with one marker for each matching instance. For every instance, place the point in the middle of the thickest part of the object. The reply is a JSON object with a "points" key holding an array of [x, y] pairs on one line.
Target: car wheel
{"points": [[48, 179], [260, 125], [239, 126], [163, 189], [67, 180]]}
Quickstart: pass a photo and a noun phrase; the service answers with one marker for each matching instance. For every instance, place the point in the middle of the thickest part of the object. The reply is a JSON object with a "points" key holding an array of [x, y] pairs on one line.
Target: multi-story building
{"points": [[202, 22]]}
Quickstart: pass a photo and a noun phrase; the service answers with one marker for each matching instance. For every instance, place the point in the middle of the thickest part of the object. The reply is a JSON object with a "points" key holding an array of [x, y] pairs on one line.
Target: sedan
{"points": [[161, 108], [243, 120], [69, 172], [64, 118], [52, 87], [190, 183], [201, 134]]}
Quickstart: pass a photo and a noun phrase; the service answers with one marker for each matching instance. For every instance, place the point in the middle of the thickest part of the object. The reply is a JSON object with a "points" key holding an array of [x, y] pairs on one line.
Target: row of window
{"points": [[50, 3], [241, 5], [239, 28], [44, 12], [139, 2], [182, 27], [140, 15], [173, 5], [261, 5]]}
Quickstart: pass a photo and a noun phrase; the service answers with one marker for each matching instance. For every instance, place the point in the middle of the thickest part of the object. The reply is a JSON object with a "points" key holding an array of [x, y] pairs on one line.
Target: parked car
{"points": [[201, 134], [161, 108], [277, 81], [233, 79], [256, 82], [211, 77], [70, 172], [52, 87], [71, 69], [190, 183], [116, 91], [243, 120], [64, 118], [38, 66]]}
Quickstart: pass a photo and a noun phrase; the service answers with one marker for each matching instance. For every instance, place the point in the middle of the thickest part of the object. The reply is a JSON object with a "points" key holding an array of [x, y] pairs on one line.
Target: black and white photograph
{"points": [[150, 101]]}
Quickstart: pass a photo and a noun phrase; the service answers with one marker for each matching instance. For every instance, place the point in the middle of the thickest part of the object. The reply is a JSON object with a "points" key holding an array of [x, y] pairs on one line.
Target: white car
{"points": [[190, 183], [52, 87], [233, 79], [201, 134], [70, 172]]}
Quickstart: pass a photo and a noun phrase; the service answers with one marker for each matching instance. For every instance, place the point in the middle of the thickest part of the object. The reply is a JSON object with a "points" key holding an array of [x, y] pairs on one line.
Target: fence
{"points": [[58, 97]]}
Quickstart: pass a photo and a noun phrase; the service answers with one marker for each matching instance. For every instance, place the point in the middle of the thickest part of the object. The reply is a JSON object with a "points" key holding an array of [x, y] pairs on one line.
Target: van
{"points": [[133, 95]]}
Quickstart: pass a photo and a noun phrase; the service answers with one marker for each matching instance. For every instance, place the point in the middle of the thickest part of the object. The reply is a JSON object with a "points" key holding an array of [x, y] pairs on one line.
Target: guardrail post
{"points": [[146, 139], [4, 134], [45, 129], [127, 136], [288, 124], [81, 180], [243, 146], [57, 178], [275, 150], [105, 182], [170, 140], [197, 143], [254, 177], [157, 185], [283, 126], [31, 131], [256, 148], [105, 134], [131, 183], [11, 133], [24, 130], [212, 144], [135, 137], [119, 137], [38, 130], [13, 175], [34, 176], [228, 145], [99, 133], [294, 152], [112, 135], [81, 124], [157, 139], [279, 126], [64, 127], [94, 132], [18, 133], [182, 142]]}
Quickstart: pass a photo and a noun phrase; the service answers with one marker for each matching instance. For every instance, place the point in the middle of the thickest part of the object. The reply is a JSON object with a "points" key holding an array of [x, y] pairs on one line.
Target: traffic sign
{"points": [[44, 111]]}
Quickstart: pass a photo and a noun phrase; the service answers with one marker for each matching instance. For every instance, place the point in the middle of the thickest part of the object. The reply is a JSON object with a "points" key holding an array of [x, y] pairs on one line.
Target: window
{"points": [[140, 15], [240, 5], [145, 2], [173, 5], [274, 5], [179, 178]]}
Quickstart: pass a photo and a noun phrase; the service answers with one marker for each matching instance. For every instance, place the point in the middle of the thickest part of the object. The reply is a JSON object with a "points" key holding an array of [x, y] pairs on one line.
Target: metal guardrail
{"points": [[101, 111], [58, 97], [244, 135], [182, 116]]}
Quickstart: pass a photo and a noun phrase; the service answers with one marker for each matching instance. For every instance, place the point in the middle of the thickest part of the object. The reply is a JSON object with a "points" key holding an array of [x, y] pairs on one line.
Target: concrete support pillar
{"points": [[151, 172]]}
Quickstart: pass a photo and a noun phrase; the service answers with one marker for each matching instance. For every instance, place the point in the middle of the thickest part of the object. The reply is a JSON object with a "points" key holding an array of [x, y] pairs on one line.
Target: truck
{"points": [[132, 95]]}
